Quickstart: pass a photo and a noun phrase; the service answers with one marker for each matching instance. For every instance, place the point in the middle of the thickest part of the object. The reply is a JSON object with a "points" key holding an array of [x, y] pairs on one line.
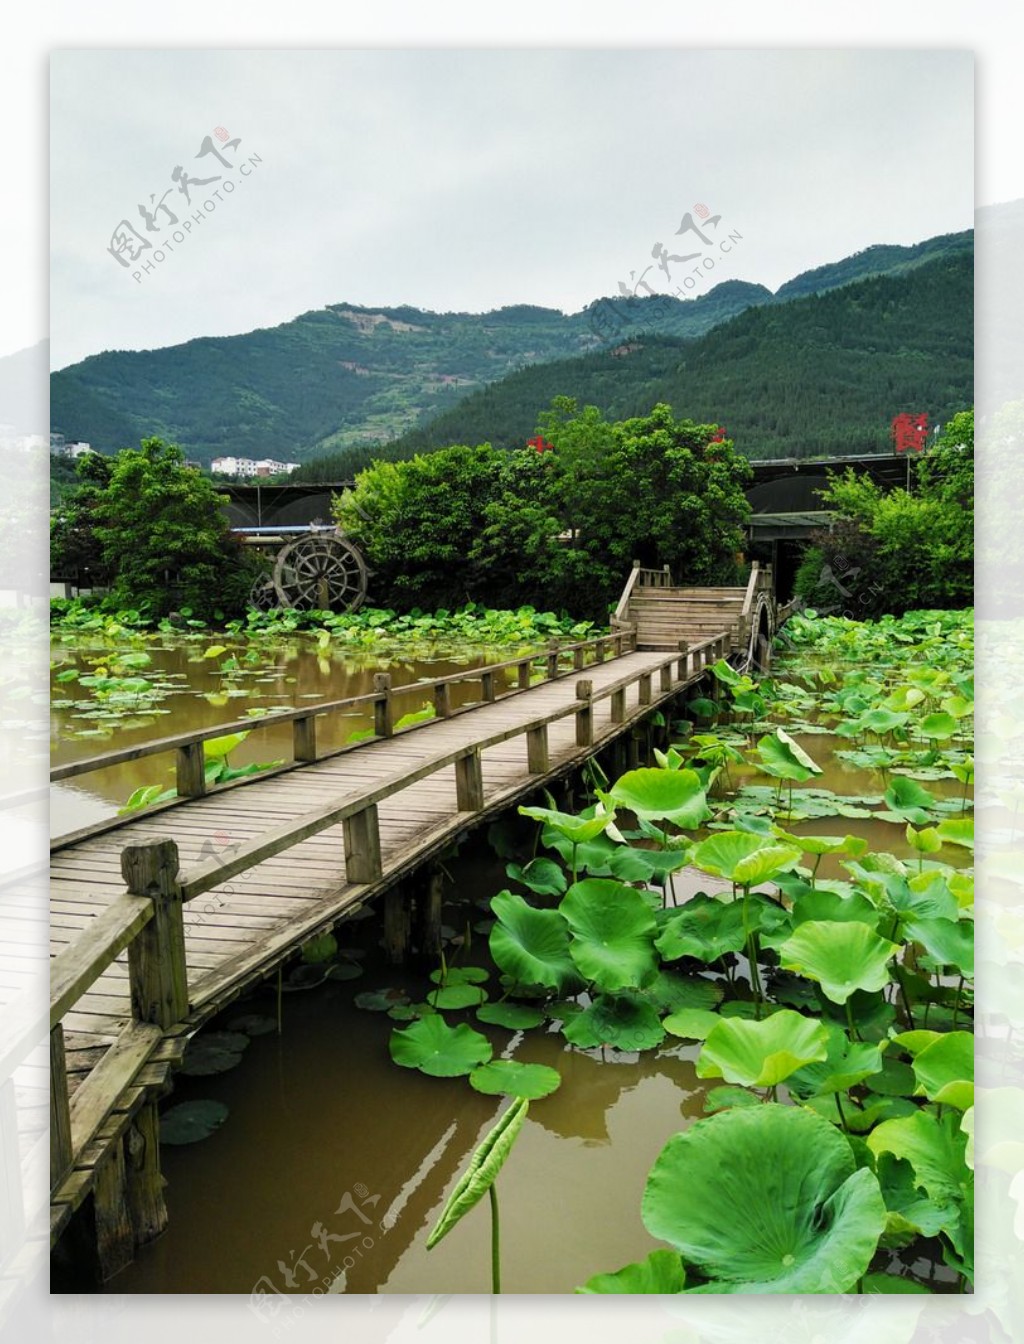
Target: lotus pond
{"points": [[705, 1028]]}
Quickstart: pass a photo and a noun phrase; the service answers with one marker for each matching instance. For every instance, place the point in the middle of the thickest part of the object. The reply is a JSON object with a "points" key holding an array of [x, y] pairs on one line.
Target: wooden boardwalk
{"points": [[159, 920]]}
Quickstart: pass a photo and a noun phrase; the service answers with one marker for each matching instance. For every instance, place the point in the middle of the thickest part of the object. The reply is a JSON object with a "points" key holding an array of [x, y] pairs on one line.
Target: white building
{"points": [[247, 466]]}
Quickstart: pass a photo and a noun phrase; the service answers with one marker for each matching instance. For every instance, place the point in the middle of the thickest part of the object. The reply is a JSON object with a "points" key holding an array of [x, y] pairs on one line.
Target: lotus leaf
{"points": [[626, 1021], [945, 1070], [190, 1121], [761, 1054], [613, 934], [744, 858], [456, 996], [704, 928], [531, 945], [949, 942], [433, 1047], [671, 991], [958, 831], [908, 801], [459, 975], [653, 794], [543, 876], [846, 1064], [721, 1098], [766, 1199], [507, 1077], [692, 1024], [514, 1016], [841, 957], [482, 1171], [660, 1272], [575, 829], [934, 1148], [783, 758]]}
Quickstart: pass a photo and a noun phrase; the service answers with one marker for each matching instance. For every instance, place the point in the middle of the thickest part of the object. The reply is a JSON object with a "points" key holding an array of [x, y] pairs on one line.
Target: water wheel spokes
{"points": [[322, 572]]}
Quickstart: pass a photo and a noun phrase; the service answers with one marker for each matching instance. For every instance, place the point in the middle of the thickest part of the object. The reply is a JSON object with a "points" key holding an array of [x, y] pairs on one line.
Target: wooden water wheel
{"points": [[320, 571]]}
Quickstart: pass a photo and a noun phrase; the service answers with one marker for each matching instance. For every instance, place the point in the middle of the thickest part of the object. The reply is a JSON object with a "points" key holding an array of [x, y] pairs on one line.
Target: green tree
{"points": [[902, 550], [157, 531]]}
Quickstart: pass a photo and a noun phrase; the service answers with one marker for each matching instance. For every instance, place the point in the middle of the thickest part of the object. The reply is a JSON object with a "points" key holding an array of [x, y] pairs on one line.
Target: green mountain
{"points": [[818, 376], [352, 378]]}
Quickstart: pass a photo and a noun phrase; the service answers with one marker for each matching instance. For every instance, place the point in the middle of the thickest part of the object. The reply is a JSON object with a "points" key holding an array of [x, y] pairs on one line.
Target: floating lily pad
{"points": [[508, 1077], [692, 1024], [344, 970], [380, 1000], [190, 1121], [460, 975], [456, 996], [626, 1021], [513, 1016], [435, 1048]]}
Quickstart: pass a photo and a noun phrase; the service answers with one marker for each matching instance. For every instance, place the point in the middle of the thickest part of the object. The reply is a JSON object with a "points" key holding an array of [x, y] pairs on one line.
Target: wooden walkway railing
{"points": [[104, 1136]]}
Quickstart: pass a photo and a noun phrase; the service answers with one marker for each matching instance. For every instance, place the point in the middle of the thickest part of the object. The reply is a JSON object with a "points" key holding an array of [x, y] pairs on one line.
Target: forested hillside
{"points": [[345, 377]]}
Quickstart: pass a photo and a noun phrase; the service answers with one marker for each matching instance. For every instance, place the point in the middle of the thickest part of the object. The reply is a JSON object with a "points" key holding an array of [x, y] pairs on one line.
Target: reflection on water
{"points": [[334, 1161], [289, 673]]}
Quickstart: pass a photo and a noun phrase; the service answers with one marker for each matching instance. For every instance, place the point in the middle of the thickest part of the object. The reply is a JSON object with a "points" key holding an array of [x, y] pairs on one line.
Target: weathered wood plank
{"points": [[115, 1072]]}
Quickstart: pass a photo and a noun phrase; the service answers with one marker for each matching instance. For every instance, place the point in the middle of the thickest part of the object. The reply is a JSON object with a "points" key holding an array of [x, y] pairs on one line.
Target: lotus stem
{"points": [[839, 1108], [850, 1022], [495, 1241], [956, 1004], [903, 996], [575, 847], [279, 998]]}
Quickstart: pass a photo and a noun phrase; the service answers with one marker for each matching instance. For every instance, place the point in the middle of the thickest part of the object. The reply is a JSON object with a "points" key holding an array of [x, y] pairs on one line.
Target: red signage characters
{"points": [[909, 432]]}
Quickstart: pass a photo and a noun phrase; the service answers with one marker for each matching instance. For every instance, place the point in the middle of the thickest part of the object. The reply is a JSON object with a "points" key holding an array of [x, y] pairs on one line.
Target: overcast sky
{"points": [[470, 179]]}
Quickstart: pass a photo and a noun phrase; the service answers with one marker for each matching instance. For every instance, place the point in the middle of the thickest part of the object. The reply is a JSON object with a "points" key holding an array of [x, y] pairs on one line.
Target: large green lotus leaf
{"points": [[507, 1077], [761, 1054], [543, 876], [692, 1024], [841, 957], [573, 828], [612, 933], [949, 941], [938, 725], [433, 1047], [829, 906], [482, 1171], [925, 895], [957, 831], [910, 1213], [670, 992], [846, 1064], [625, 1021], [908, 800], [661, 795], [945, 1070], [783, 758], [704, 928], [531, 945], [661, 1272], [744, 858], [513, 1016], [934, 1148], [765, 1199], [881, 720], [630, 864], [825, 844], [590, 856]]}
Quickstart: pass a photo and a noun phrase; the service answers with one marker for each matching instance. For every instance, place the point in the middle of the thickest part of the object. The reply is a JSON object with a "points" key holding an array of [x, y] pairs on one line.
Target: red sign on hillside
{"points": [[541, 444], [909, 432]]}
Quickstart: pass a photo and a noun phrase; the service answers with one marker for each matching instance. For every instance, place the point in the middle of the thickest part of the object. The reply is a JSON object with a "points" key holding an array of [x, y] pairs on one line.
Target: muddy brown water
{"points": [[334, 1163]]}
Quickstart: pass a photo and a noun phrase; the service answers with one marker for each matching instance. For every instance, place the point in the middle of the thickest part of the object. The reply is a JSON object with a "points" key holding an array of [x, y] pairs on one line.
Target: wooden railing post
{"points": [[443, 700], [682, 667], [599, 650], [644, 689], [537, 760], [60, 1110], [553, 654], [191, 770], [577, 659], [142, 1169], [362, 846], [157, 973], [469, 782], [618, 705], [487, 687], [585, 715], [665, 677], [383, 714], [524, 674], [304, 738]]}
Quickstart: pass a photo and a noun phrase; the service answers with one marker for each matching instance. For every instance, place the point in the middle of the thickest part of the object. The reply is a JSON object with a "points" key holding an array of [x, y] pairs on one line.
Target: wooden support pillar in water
{"points": [[429, 907], [397, 925], [115, 1237], [363, 862], [146, 1203]]}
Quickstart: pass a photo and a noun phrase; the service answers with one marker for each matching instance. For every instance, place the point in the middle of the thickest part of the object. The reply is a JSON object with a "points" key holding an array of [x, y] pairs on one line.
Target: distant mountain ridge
{"points": [[347, 376]]}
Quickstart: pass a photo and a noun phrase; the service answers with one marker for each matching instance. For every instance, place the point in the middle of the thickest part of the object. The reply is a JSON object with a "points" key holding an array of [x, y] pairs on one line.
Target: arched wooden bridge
{"points": [[159, 920]]}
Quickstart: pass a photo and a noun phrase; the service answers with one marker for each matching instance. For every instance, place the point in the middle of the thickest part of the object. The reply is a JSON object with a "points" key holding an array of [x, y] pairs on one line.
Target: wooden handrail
{"points": [[752, 582], [619, 615], [75, 969], [212, 873], [183, 741]]}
